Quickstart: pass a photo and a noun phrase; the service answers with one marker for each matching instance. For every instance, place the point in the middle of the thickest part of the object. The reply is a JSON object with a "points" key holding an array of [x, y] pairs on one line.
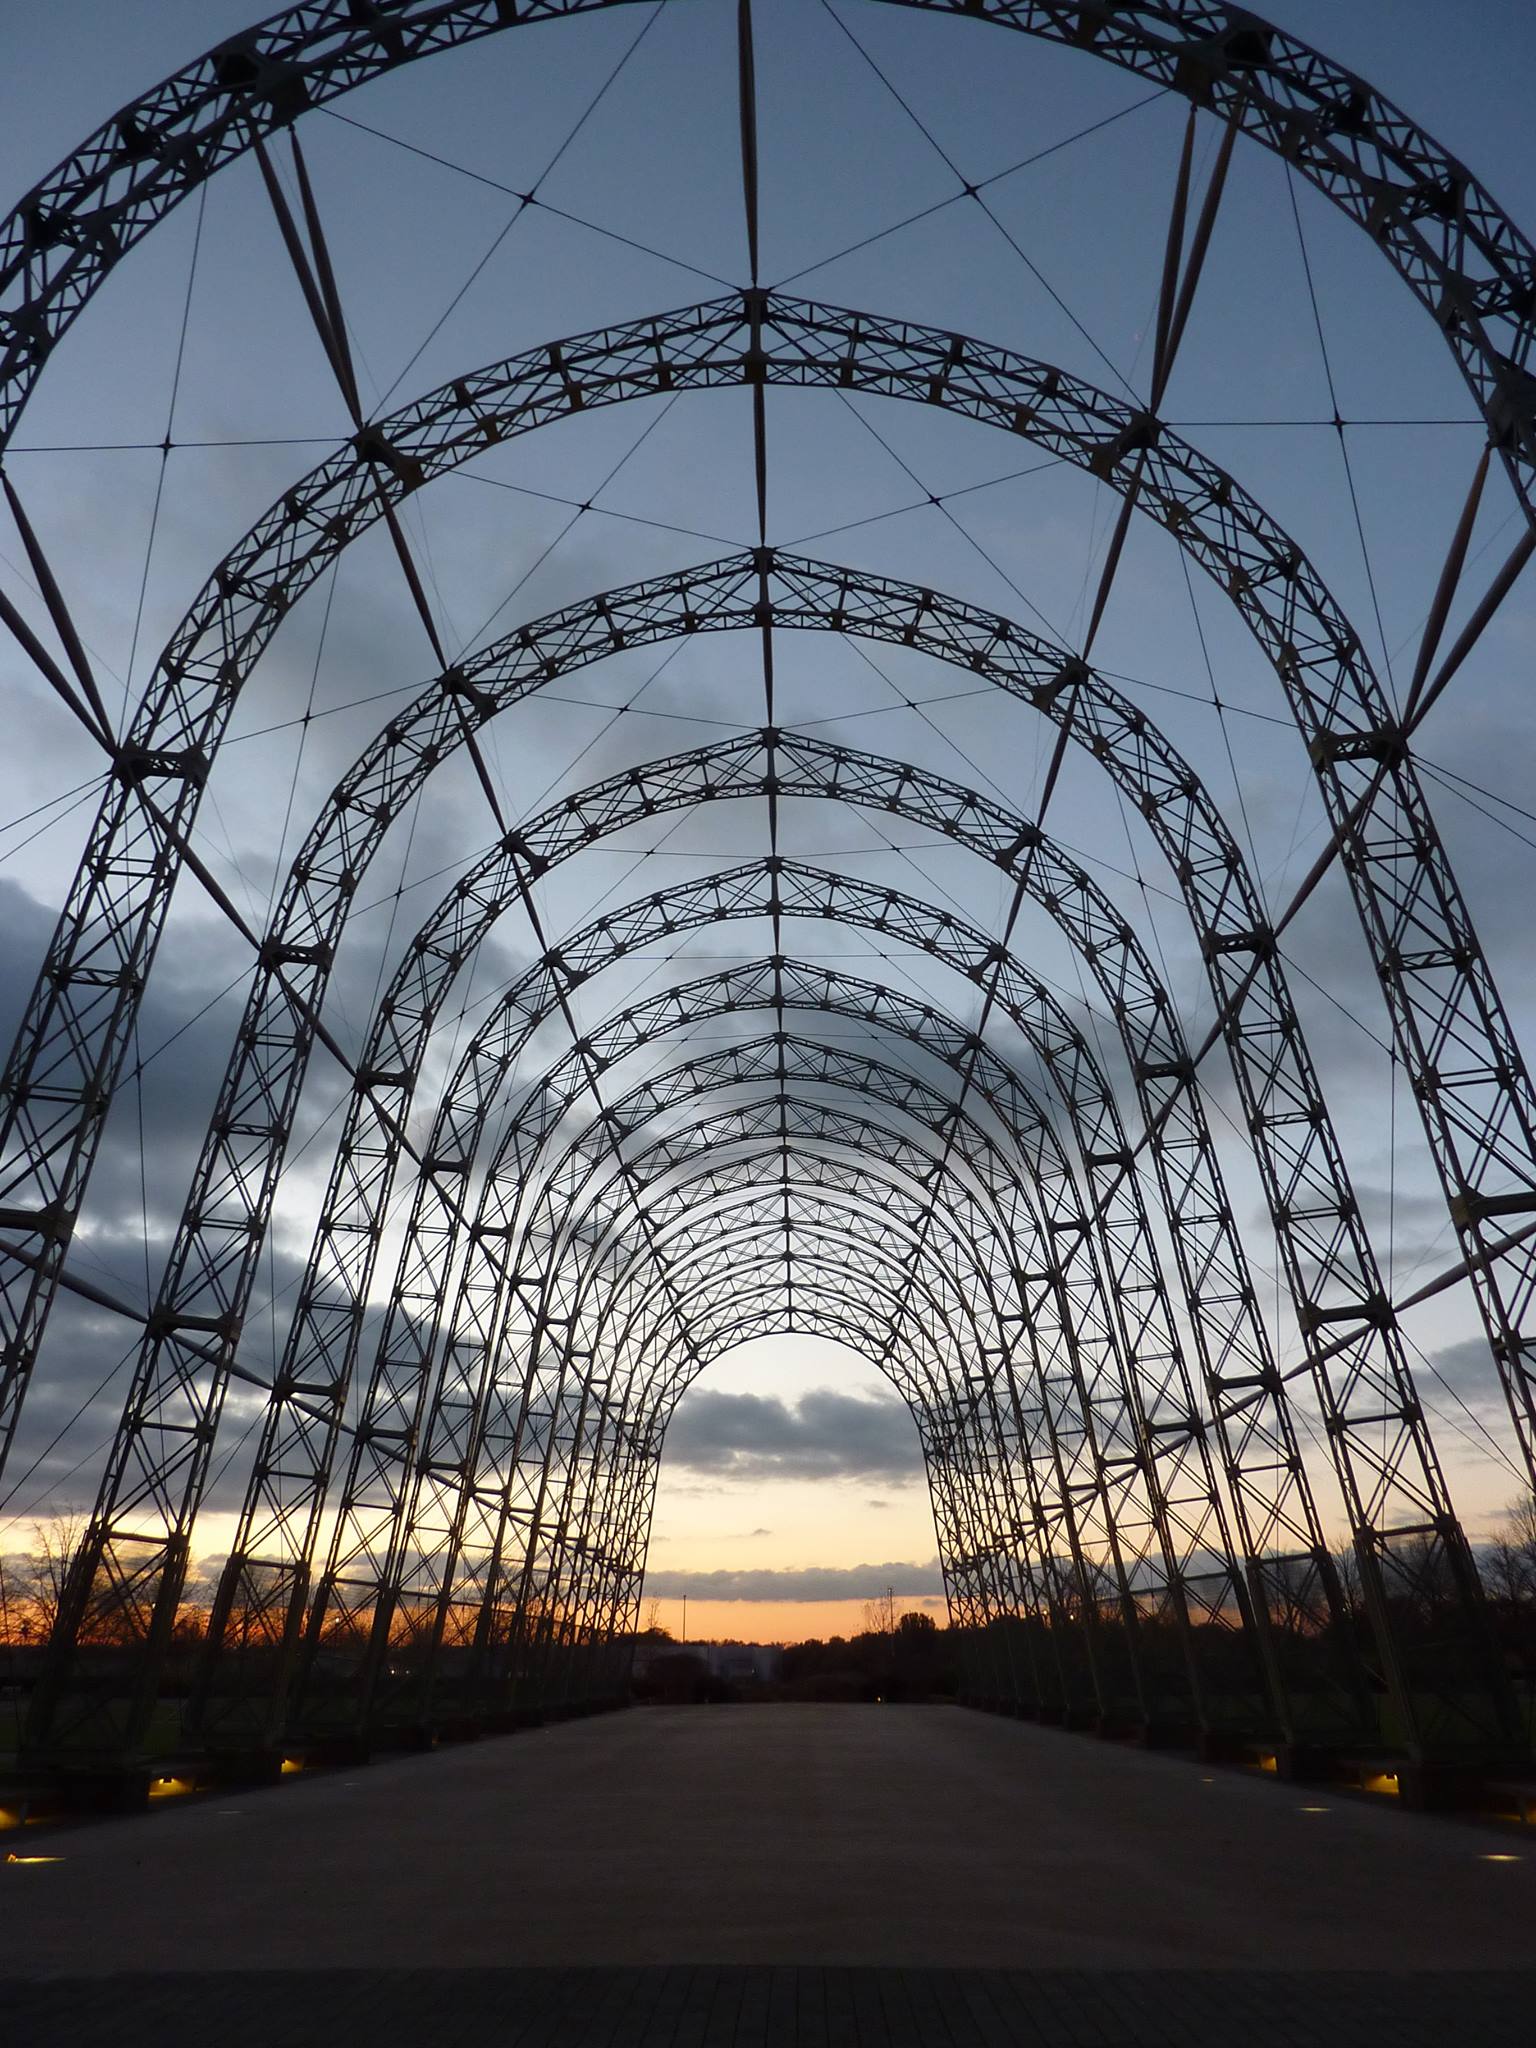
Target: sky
{"points": [[792, 1488]]}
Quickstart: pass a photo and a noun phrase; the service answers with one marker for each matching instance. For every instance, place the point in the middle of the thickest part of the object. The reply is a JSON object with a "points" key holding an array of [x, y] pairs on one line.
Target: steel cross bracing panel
{"points": [[1475, 1098]]}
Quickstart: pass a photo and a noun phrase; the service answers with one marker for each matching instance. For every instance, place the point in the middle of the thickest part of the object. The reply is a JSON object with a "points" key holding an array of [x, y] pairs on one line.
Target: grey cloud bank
{"points": [[824, 1435]]}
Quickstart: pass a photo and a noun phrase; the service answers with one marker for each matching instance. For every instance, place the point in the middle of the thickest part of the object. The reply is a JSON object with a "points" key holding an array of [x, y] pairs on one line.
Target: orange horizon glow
{"points": [[777, 1621]]}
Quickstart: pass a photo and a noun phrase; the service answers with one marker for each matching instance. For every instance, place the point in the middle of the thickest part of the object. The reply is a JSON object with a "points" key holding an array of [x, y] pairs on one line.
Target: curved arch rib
{"points": [[1459, 1052]]}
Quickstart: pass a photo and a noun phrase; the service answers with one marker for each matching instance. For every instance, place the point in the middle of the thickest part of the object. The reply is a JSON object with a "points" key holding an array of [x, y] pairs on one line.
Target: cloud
{"points": [[823, 1435], [1467, 1367], [808, 1582]]}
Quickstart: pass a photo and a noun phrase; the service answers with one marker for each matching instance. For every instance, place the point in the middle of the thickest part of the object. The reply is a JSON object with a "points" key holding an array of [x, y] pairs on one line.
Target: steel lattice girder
{"points": [[1464, 260], [1459, 1054], [1113, 1420], [432, 1262], [788, 985], [1182, 1525], [1221, 1300], [1250, 51], [1322, 1230]]}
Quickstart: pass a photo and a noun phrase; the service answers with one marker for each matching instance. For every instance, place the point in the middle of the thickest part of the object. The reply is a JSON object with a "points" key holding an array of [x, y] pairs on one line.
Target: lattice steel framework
{"points": [[1062, 1297]]}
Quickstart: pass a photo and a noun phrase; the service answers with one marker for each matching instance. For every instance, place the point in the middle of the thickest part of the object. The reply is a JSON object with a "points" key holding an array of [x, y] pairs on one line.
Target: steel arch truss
{"points": [[1459, 1053], [1386, 1463], [1111, 1449]]}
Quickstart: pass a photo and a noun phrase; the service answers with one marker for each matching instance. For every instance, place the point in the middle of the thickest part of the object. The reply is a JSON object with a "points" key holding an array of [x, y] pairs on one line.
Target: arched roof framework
{"points": [[1001, 1241], [997, 1245], [1460, 1056], [1320, 1232], [961, 806], [714, 1218], [823, 1304], [797, 894], [398, 1387], [983, 1487], [979, 1484], [785, 986], [1073, 1435], [430, 1263], [1470, 267], [331, 864], [1237, 64], [1228, 1322], [357, 1621]]}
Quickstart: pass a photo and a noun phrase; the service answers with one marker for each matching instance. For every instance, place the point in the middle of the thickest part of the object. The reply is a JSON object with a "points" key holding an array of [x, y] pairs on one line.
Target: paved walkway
{"points": [[646, 1872], [781, 2008]]}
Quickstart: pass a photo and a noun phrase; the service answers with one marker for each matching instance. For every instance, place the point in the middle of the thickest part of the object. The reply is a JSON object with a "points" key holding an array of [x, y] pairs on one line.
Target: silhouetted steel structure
{"points": [[446, 1517]]}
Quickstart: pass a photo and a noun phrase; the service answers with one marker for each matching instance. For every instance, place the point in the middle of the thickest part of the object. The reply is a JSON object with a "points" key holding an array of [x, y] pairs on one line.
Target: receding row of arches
{"points": [[448, 1505]]}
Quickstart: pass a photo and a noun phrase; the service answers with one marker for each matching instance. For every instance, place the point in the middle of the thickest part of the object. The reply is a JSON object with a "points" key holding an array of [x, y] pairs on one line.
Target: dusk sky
{"points": [[792, 1490]]}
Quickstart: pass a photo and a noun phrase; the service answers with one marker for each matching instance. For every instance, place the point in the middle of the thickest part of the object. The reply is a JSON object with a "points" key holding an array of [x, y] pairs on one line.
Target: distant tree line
{"points": [[911, 1658]]}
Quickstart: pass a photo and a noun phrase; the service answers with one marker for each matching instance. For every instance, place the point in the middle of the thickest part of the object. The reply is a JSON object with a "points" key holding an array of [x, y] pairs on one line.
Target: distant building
{"points": [[738, 1662]]}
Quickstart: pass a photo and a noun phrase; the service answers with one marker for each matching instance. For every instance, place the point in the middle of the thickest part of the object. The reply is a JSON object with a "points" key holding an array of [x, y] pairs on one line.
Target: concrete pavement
{"points": [[887, 1837]]}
